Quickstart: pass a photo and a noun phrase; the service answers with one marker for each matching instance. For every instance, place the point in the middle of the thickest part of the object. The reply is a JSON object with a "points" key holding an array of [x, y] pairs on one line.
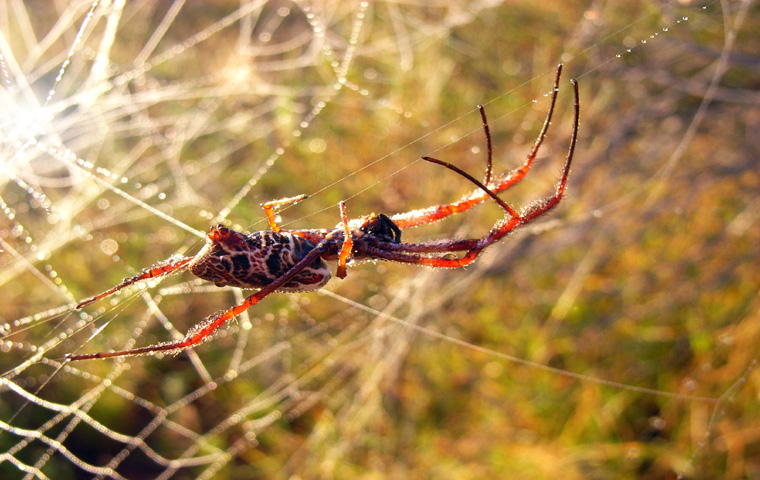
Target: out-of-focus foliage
{"points": [[646, 275]]}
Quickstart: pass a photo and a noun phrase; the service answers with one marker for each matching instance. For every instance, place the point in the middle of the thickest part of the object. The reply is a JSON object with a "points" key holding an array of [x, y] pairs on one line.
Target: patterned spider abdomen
{"points": [[255, 260]]}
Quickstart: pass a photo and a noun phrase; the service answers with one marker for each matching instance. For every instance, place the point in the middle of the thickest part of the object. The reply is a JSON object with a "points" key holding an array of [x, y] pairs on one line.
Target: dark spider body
{"points": [[294, 260], [382, 228], [255, 260]]}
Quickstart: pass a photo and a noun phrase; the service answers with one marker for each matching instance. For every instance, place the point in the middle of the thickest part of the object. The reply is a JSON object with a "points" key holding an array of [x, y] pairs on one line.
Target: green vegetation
{"points": [[644, 278]]}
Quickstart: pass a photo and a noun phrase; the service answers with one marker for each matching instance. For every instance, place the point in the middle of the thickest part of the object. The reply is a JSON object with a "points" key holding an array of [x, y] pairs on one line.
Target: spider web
{"points": [[616, 338]]}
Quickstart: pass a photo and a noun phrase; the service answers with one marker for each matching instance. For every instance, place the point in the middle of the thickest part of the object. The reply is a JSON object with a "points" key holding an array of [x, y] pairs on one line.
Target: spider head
{"points": [[382, 228]]}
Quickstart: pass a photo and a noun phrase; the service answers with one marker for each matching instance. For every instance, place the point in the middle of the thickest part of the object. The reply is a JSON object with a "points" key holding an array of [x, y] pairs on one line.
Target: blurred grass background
{"points": [[645, 275]]}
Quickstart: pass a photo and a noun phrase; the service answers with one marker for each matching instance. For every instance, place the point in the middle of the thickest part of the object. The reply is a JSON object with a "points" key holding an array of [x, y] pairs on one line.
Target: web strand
{"points": [[123, 145]]}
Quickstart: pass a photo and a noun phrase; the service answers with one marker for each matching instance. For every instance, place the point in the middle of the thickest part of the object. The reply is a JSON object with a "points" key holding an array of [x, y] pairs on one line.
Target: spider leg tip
{"points": [[433, 160]]}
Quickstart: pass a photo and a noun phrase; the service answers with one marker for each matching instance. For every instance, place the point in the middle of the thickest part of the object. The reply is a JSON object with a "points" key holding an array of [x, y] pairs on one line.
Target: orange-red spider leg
{"points": [[429, 215], [472, 179], [401, 252], [269, 209], [348, 242], [473, 246], [203, 330], [159, 270], [523, 170], [549, 203]]}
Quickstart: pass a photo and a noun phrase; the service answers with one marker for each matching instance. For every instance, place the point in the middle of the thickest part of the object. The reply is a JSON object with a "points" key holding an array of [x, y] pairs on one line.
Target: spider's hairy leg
{"points": [[159, 270], [348, 242], [472, 179], [438, 212], [523, 170], [403, 252], [270, 206], [415, 253], [202, 331], [541, 207], [489, 155]]}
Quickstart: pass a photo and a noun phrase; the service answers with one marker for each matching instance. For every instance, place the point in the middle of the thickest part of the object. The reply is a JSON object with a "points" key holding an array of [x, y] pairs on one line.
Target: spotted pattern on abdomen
{"points": [[257, 259]]}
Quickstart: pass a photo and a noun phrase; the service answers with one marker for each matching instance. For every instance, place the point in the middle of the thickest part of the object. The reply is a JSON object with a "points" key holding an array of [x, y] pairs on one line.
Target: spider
{"points": [[294, 260]]}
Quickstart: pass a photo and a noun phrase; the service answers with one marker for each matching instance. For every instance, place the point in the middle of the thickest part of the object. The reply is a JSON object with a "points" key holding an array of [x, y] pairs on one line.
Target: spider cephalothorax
{"points": [[381, 227], [294, 260]]}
